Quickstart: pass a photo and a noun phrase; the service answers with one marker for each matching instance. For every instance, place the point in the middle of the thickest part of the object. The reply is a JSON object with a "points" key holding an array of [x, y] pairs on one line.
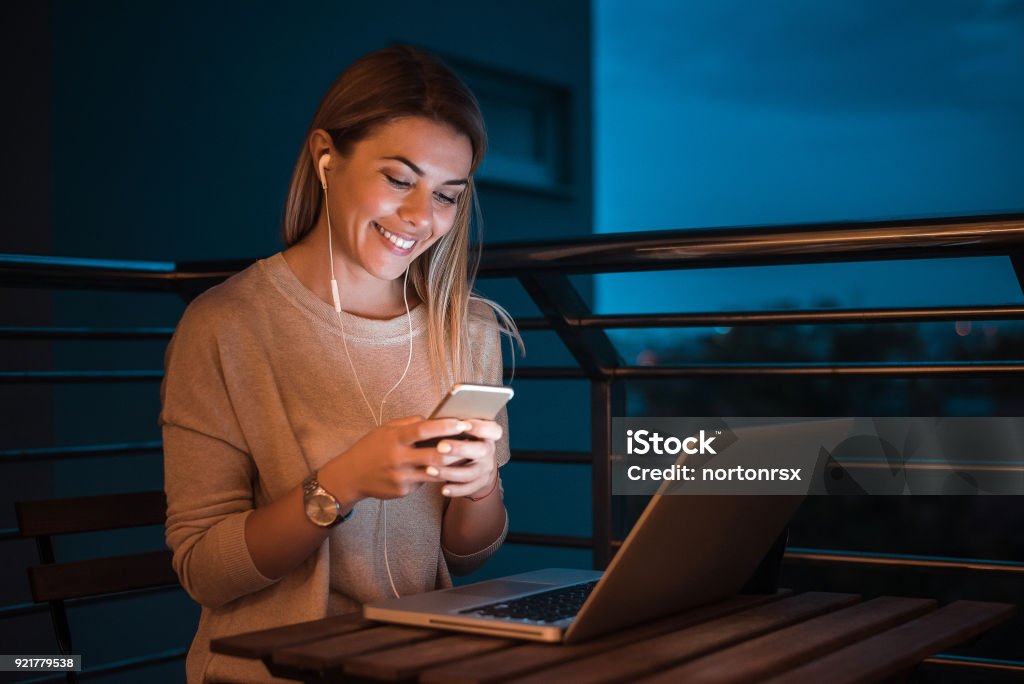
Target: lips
{"points": [[401, 243]]}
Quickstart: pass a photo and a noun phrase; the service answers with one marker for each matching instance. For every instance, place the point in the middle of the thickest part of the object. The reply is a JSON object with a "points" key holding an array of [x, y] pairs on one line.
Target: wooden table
{"points": [[810, 637]]}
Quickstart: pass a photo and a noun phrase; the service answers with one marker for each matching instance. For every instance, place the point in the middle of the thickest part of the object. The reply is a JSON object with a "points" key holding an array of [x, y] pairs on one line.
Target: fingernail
{"points": [[446, 491], [444, 447], [462, 427], [432, 471]]}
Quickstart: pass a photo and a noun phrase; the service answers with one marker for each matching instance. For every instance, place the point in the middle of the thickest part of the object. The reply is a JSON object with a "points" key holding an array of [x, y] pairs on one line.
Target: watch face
{"points": [[321, 509]]}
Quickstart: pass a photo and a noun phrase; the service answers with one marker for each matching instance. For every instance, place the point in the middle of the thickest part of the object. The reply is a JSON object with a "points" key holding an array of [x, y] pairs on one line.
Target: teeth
{"points": [[395, 240]]}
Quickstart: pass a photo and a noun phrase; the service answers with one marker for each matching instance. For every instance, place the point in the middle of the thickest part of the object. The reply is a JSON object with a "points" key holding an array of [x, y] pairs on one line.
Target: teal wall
{"points": [[168, 131]]}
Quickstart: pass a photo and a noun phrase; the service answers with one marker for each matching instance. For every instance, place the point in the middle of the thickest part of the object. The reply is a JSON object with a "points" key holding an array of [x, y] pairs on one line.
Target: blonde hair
{"points": [[385, 85]]}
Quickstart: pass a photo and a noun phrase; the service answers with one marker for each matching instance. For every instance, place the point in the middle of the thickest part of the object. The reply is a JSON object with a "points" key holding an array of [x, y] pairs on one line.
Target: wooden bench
{"points": [[810, 637], [55, 582]]}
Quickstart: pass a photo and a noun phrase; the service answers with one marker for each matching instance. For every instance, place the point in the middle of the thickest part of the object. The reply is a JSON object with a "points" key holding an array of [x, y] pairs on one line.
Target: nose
{"points": [[416, 210]]}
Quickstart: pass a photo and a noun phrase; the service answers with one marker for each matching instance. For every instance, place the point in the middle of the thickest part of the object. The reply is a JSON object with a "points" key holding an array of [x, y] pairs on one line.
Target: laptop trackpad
{"points": [[498, 588]]}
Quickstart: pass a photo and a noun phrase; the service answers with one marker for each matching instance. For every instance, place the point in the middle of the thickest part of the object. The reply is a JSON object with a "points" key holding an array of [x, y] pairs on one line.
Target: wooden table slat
{"points": [[330, 653], [262, 643], [405, 662], [640, 659], [805, 638], [768, 655], [520, 660], [899, 649]]}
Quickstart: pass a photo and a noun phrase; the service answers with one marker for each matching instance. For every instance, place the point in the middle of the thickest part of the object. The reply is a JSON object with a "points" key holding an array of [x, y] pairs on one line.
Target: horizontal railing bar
{"points": [[16, 609], [730, 319], [573, 457], [82, 333], [891, 370], [136, 662], [531, 539], [9, 534], [983, 235], [541, 373], [760, 246], [78, 377], [131, 266], [23, 270], [977, 369], [804, 317], [533, 323], [969, 662], [902, 560], [117, 665], [916, 464], [84, 451], [609, 321]]}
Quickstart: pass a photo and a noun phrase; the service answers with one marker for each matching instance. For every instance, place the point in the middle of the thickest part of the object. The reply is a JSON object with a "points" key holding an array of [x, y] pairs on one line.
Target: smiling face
{"points": [[396, 194]]}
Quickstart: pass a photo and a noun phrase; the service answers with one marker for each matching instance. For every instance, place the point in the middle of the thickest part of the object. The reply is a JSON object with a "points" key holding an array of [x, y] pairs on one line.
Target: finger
{"points": [[464, 449], [436, 470], [485, 429], [429, 429], [420, 476], [459, 474], [429, 458], [418, 459], [456, 490]]}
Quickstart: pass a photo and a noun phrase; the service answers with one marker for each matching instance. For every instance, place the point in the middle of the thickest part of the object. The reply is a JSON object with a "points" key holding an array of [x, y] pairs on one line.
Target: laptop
{"points": [[684, 551]]}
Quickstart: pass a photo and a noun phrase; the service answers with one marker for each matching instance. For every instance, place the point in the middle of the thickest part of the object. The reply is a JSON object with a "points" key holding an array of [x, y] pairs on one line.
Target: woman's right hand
{"points": [[384, 464]]}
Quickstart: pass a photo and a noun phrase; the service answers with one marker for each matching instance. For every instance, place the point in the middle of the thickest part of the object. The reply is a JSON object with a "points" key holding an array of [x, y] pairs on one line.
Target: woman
{"points": [[295, 390]]}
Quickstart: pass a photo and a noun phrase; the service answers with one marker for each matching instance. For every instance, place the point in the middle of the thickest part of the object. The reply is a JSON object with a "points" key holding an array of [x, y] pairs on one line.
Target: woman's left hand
{"points": [[475, 476]]}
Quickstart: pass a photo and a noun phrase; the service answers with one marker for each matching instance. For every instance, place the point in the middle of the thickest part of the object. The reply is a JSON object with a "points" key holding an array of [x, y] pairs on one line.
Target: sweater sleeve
{"points": [[463, 565], [492, 371], [209, 474]]}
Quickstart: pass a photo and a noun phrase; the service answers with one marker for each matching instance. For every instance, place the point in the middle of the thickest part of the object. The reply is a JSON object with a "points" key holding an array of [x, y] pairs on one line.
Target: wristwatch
{"points": [[321, 507]]}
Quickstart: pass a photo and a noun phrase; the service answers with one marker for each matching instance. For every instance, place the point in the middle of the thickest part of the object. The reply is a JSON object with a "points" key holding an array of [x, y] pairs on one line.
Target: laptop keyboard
{"points": [[547, 606]]}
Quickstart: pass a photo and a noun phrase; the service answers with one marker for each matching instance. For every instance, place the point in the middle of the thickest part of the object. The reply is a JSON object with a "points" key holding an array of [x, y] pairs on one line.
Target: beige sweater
{"points": [[258, 394]]}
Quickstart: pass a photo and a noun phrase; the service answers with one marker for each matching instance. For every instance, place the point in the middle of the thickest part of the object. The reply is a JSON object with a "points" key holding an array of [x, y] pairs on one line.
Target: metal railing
{"points": [[543, 269]]}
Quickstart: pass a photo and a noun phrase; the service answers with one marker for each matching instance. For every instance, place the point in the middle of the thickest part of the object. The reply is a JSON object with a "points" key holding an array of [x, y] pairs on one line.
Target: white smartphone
{"points": [[465, 401]]}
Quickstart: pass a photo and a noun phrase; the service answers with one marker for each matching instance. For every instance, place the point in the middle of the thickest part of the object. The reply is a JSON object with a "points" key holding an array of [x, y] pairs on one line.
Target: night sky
{"points": [[745, 113]]}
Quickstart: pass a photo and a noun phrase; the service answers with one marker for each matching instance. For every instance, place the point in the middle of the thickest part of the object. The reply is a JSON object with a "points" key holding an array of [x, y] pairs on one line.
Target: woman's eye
{"points": [[398, 183]]}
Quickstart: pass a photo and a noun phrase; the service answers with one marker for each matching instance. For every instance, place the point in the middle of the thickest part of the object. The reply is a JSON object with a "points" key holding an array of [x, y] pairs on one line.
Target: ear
{"points": [[320, 144]]}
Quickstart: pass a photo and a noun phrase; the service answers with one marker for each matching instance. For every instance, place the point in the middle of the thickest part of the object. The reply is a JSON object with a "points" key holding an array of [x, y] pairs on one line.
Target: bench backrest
{"points": [[54, 582]]}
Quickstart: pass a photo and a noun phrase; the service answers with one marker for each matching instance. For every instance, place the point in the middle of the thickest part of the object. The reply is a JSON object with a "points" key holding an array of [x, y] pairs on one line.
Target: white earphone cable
{"points": [[378, 416]]}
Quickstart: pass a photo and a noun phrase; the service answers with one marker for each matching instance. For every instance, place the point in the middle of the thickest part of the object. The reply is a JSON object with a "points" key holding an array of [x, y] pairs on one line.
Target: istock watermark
{"points": [[817, 456], [653, 442]]}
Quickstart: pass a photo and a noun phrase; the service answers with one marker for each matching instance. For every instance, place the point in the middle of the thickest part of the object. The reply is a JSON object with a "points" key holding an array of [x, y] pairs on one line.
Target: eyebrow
{"points": [[419, 172]]}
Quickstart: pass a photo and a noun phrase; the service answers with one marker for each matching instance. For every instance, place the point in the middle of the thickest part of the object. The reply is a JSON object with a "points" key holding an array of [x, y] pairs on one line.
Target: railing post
{"points": [[562, 306], [607, 400]]}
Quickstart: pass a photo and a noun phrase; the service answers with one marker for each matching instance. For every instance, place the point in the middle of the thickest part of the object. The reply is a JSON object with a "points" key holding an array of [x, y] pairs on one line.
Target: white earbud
{"points": [[324, 161]]}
